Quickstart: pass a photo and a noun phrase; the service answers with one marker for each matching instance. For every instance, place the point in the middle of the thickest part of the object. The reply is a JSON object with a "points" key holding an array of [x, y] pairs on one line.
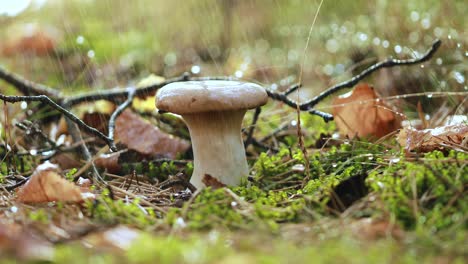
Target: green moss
{"points": [[429, 193], [109, 211]]}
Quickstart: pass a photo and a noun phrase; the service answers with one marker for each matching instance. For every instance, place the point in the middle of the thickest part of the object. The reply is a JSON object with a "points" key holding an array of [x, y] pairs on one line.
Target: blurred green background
{"points": [[97, 44]]}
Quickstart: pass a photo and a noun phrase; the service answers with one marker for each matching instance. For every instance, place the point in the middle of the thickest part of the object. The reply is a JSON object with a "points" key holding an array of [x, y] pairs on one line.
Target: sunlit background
{"points": [[80, 45]]}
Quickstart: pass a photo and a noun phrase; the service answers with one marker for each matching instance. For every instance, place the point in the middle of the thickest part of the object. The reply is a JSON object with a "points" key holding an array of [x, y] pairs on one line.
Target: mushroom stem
{"points": [[218, 149]]}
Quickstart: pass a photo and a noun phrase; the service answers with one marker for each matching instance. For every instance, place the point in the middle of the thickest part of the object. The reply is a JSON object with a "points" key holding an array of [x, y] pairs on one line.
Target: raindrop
{"points": [[429, 95], [334, 165], [376, 41], [33, 152], [24, 105], [180, 222], [90, 54], [385, 44], [239, 74], [439, 61], [459, 45], [14, 209], [170, 59], [426, 23], [362, 36], [294, 123], [195, 69], [427, 117], [438, 32], [298, 168], [328, 69], [80, 40], [459, 77], [332, 45], [422, 66], [339, 68], [414, 16], [466, 53], [343, 29], [233, 204], [397, 49], [274, 86]]}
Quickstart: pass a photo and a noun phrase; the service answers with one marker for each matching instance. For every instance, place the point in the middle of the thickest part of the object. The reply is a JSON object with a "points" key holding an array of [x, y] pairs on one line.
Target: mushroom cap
{"points": [[207, 96]]}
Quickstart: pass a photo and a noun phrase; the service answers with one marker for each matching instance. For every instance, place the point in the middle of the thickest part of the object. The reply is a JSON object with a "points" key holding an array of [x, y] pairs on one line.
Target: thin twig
{"points": [[119, 110], [353, 81], [27, 87], [45, 99], [248, 141]]}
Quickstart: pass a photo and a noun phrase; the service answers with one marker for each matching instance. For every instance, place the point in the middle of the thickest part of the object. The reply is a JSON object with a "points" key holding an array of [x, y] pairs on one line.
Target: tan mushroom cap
{"points": [[208, 96]]}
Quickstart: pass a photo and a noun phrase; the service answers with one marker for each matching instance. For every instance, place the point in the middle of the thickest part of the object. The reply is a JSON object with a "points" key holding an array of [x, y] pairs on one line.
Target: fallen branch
{"points": [[42, 93]]}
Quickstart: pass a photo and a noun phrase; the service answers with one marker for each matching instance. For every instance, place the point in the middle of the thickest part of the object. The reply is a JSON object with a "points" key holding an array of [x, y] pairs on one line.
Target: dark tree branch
{"points": [[247, 142], [353, 81], [65, 112], [27, 87], [45, 94]]}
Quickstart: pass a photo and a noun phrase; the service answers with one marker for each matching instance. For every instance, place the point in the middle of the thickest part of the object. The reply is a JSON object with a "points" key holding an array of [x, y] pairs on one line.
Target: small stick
{"points": [[45, 99], [247, 142], [118, 111]]}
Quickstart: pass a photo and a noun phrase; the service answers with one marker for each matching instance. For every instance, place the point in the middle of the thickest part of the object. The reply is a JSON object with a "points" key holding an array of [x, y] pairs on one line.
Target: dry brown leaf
{"points": [[17, 243], [117, 238], [139, 135], [212, 182], [371, 229], [454, 136], [358, 113], [38, 42], [46, 185], [109, 161]]}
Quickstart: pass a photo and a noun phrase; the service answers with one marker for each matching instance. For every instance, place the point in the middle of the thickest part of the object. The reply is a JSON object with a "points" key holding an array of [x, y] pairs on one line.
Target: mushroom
{"points": [[213, 112]]}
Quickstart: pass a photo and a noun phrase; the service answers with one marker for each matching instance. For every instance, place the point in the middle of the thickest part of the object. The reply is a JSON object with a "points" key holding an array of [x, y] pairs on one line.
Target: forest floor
{"points": [[385, 182]]}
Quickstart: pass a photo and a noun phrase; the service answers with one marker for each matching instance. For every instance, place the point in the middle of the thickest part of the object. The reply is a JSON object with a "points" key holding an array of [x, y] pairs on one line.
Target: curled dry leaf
{"points": [[454, 136], [139, 135], [46, 185], [359, 113]]}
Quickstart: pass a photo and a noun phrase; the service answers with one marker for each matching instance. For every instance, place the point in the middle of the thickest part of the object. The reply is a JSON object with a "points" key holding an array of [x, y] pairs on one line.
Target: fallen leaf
{"points": [[16, 242], [33, 39], [109, 161], [139, 135], [453, 136], [212, 182], [117, 238], [46, 185], [360, 113], [371, 229]]}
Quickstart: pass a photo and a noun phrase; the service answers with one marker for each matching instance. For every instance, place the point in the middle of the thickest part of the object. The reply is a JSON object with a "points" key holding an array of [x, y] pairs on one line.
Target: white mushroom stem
{"points": [[218, 149]]}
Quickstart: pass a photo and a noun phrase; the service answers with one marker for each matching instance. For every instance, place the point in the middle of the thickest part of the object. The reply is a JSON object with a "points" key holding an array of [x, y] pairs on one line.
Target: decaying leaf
{"points": [[46, 185], [18, 243], [139, 135], [117, 238], [371, 229], [212, 182], [361, 113], [453, 136]]}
